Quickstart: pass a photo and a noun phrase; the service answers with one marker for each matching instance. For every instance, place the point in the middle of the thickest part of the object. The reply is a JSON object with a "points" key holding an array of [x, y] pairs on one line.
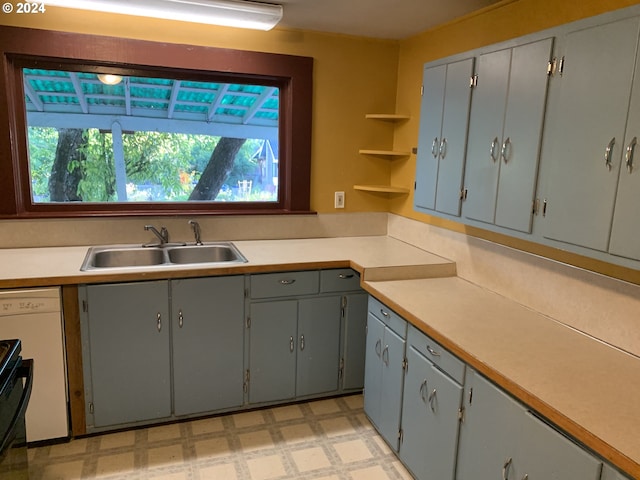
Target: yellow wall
{"points": [[352, 77], [507, 19]]}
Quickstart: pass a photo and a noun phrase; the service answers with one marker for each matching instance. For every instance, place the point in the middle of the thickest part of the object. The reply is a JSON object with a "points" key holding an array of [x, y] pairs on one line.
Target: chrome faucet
{"points": [[163, 234], [196, 231]]}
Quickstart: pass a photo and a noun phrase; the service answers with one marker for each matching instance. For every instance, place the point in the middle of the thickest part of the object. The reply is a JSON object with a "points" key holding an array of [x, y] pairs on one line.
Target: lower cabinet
{"points": [[500, 438], [132, 344], [384, 375], [431, 409]]}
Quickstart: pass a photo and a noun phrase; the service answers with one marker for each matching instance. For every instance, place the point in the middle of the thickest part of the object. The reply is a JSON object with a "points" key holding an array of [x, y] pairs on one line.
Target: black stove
{"points": [[16, 377]]}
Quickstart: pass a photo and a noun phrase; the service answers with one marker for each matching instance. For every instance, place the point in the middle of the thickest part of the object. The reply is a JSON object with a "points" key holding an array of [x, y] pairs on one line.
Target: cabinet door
{"points": [[431, 108], [455, 123], [626, 221], [355, 338], [272, 350], [485, 135], [392, 381], [581, 190], [444, 117], [522, 135], [208, 343], [547, 454], [430, 421], [492, 422], [129, 352], [373, 368], [318, 358]]}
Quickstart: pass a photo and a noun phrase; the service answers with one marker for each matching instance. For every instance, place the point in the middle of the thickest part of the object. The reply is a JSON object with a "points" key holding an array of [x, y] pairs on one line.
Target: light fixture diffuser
{"points": [[228, 13]]}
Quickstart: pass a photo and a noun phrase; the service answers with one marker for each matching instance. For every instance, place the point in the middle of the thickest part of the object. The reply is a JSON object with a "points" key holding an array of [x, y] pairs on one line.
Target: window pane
{"points": [[149, 139]]}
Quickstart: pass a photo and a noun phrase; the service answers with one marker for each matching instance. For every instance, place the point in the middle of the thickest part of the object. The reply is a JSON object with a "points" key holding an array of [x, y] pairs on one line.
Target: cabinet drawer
{"points": [[437, 355], [339, 280], [387, 316], [285, 284]]}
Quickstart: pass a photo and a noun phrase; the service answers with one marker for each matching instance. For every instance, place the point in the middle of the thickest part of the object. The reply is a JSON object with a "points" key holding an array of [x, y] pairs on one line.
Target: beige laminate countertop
{"points": [[587, 388], [377, 257]]}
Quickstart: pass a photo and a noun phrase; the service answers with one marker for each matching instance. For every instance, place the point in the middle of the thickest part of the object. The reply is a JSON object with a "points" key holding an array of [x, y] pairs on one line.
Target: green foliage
{"points": [[159, 166]]}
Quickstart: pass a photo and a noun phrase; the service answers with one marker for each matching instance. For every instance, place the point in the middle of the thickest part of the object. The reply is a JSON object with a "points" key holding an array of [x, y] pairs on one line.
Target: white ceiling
{"points": [[388, 19]]}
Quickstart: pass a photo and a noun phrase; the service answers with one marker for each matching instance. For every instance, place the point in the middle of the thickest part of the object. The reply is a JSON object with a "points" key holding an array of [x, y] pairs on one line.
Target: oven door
{"points": [[14, 399]]}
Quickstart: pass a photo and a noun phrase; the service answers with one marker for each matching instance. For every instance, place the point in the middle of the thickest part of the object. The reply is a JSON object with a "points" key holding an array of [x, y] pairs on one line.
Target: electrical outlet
{"points": [[339, 200]]}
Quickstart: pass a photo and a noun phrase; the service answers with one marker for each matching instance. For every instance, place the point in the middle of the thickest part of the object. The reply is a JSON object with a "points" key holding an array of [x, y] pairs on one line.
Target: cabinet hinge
{"points": [[473, 81], [463, 194], [421, 90], [248, 322], [343, 306], [91, 408], [246, 293], [405, 364], [400, 436], [85, 306], [245, 385], [341, 369], [461, 414]]}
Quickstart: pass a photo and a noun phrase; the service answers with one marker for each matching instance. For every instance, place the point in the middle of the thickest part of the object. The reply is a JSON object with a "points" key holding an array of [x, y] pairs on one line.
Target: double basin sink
{"points": [[122, 256]]}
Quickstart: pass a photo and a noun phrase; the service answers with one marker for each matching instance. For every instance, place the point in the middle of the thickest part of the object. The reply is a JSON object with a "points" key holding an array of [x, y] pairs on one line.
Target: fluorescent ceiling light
{"points": [[228, 13]]}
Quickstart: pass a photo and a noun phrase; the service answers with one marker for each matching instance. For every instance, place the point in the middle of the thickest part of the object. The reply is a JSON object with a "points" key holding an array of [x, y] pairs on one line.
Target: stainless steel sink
{"points": [[222, 252], [123, 256]]}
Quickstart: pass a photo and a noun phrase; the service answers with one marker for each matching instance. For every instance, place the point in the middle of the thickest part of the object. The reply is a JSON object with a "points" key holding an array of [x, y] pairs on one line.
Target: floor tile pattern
{"points": [[320, 440]]}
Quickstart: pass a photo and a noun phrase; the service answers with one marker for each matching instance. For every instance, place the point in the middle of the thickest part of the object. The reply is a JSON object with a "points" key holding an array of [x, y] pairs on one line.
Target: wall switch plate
{"points": [[339, 200]]}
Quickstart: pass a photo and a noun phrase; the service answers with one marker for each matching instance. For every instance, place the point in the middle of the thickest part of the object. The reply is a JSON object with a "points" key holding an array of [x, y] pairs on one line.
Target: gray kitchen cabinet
{"points": [[431, 408], [505, 131], [126, 342], [444, 116], [609, 473], [587, 136], [354, 314], [500, 438], [208, 343], [384, 375], [294, 342]]}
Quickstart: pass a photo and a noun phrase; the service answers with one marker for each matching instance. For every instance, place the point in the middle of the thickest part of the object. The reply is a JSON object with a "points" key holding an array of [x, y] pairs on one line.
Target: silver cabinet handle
{"points": [[379, 347], [443, 148], [385, 355], [505, 468], [180, 318], [345, 276], [384, 314], [432, 351], [423, 389], [301, 342], [492, 150], [432, 400], [503, 150], [159, 322], [608, 152], [631, 148], [291, 345], [526, 476], [434, 148], [287, 281]]}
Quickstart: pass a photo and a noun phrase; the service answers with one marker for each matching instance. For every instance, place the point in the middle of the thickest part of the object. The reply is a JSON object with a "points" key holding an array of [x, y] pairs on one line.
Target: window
{"points": [[180, 130]]}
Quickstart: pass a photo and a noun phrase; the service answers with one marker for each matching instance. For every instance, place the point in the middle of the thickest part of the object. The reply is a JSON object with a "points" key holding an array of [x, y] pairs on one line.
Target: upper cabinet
{"points": [[553, 122], [505, 131], [444, 115], [588, 137]]}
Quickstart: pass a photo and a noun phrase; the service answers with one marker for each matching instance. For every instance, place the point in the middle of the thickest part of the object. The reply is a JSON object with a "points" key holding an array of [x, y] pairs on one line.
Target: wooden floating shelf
{"points": [[381, 188], [384, 153], [387, 116]]}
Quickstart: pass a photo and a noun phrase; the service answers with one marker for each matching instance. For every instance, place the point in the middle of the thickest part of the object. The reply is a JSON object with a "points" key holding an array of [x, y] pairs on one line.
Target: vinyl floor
{"points": [[327, 439]]}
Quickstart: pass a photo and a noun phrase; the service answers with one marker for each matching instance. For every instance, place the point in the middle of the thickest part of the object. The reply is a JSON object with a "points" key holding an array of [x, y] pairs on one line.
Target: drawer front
{"points": [[339, 280], [436, 354], [285, 284], [387, 316]]}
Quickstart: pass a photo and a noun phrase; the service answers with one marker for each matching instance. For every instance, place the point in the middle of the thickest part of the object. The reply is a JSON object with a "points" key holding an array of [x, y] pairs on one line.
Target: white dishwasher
{"points": [[34, 316]]}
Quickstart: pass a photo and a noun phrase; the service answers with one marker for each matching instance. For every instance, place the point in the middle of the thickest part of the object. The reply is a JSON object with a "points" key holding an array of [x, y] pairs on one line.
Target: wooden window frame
{"points": [[21, 46]]}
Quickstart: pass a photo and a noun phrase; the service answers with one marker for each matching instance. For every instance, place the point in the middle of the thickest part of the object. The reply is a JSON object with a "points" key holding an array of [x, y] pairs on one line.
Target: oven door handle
{"points": [[24, 371]]}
